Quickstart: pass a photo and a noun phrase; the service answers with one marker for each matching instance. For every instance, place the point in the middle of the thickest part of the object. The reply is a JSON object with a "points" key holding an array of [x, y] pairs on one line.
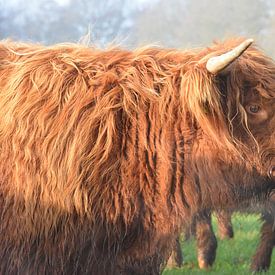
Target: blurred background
{"points": [[132, 23]]}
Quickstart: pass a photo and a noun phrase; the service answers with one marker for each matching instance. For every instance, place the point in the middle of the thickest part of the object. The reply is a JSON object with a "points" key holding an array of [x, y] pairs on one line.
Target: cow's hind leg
{"points": [[225, 228], [176, 258], [206, 240]]}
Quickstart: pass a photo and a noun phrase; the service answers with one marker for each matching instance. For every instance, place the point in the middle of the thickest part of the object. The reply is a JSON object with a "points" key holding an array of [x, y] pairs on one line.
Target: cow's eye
{"points": [[253, 109]]}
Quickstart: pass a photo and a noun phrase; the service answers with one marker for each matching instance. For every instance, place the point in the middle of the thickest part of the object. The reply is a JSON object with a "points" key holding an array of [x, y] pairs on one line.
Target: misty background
{"points": [[133, 23]]}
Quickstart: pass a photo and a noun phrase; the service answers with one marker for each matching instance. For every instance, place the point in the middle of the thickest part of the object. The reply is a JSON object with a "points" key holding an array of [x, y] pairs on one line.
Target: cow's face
{"points": [[247, 84], [252, 111], [260, 114]]}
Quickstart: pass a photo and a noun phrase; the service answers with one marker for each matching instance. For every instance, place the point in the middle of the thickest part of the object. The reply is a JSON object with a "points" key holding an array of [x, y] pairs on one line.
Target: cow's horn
{"points": [[218, 63]]}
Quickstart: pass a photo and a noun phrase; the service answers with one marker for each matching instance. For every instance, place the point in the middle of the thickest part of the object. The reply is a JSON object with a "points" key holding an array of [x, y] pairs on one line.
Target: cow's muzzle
{"points": [[271, 172]]}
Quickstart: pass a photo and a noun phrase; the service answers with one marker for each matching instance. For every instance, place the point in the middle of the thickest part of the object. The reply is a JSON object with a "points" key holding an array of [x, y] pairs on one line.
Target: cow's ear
{"points": [[220, 64]]}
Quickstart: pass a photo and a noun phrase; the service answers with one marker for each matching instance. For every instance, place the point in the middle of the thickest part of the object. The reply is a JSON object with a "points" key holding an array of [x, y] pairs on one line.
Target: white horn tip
{"points": [[218, 63], [248, 42]]}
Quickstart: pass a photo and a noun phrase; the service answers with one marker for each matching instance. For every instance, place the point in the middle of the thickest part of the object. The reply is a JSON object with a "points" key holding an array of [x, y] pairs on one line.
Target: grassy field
{"points": [[233, 256]]}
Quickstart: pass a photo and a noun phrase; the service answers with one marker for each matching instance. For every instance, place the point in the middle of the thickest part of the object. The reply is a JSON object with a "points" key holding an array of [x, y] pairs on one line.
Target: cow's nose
{"points": [[271, 172]]}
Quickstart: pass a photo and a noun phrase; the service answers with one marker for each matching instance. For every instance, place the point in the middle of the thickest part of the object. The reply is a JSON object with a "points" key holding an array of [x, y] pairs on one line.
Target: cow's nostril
{"points": [[271, 172]]}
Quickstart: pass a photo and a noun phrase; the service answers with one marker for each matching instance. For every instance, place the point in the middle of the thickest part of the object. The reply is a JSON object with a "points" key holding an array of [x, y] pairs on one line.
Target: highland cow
{"points": [[105, 155]]}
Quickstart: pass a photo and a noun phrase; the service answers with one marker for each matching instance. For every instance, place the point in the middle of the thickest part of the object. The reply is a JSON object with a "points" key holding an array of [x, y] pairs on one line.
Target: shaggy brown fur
{"points": [[103, 154]]}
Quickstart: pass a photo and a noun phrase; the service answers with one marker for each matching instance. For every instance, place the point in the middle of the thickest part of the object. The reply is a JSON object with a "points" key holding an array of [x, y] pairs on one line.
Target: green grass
{"points": [[233, 256]]}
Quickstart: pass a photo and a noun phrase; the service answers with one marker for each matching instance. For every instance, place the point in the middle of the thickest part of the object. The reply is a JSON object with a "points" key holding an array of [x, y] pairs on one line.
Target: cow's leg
{"points": [[190, 231], [225, 228], [206, 240], [262, 258], [176, 257]]}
